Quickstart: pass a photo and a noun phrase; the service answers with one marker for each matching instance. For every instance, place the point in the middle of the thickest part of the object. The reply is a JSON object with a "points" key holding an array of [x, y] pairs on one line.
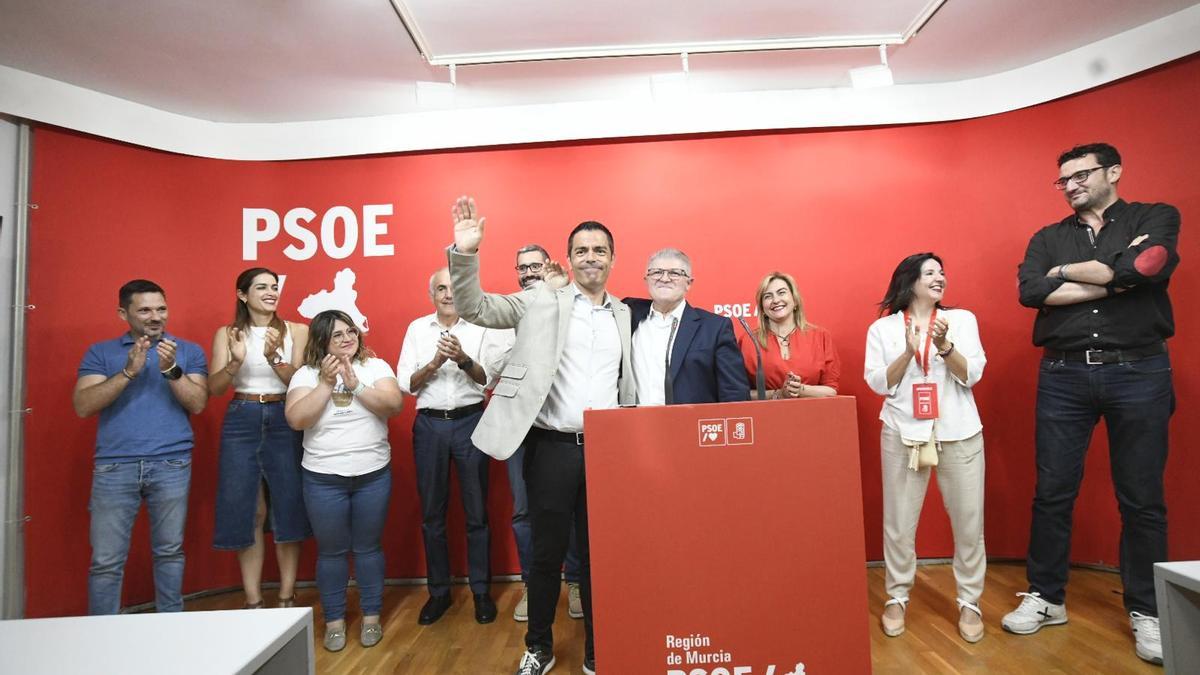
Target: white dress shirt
{"points": [[450, 387], [958, 418], [589, 368], [650, 353]]}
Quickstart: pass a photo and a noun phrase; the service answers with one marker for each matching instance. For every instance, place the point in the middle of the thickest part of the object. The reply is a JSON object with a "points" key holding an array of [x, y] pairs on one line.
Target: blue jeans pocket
{"points": [[105, 468], [178, 463]]}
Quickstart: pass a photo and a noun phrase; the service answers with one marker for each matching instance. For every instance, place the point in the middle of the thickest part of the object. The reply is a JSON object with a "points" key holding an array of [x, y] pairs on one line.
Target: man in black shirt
{"points": [[1099, 282]]}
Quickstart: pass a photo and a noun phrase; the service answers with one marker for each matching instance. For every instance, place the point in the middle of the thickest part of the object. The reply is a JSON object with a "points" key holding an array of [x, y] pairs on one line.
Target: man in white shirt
{"points": [[572, 353], [682, 354], [532, 261], [442, 363]]}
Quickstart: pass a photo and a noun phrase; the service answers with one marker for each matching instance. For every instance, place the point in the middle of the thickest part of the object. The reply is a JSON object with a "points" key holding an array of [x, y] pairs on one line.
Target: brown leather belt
{"points": [[259, 398]]}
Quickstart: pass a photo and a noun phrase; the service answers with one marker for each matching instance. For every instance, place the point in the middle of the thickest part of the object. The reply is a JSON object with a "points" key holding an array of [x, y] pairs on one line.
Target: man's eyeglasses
{"points": [[672, 274], [1078, 177], [531, 267]]}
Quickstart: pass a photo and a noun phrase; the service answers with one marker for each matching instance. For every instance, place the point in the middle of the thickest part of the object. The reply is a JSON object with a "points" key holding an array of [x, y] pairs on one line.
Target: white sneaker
{"points": [[1032, 614], [574, 601], [1148, 640], [521, 613]]}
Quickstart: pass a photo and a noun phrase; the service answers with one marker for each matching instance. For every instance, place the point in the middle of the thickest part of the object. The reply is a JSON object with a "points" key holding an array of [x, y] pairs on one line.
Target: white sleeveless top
{"points": [[256, 376]]}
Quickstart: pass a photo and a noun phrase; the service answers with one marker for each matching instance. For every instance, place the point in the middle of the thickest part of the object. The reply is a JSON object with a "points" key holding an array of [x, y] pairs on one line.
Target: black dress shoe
{"points": [[434, 608], [485, 609]]}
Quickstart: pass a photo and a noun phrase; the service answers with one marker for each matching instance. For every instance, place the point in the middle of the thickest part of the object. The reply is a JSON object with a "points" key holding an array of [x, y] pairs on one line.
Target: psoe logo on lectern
{"points": [[741, 430], [713, 433]]}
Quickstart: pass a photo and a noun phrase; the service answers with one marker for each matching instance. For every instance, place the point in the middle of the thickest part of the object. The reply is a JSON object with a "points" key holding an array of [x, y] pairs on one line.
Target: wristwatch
{"points": [[466, 365], [174, 373], [274, 359]]}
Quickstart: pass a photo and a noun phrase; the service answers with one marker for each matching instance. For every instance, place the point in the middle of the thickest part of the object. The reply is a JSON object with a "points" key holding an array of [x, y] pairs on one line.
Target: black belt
{"points": [[1098, 356], [451, 414], [572, 437]]}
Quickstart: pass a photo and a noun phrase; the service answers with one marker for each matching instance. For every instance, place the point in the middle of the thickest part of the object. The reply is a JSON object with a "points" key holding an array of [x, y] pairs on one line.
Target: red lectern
{"points": [[727, 539]]}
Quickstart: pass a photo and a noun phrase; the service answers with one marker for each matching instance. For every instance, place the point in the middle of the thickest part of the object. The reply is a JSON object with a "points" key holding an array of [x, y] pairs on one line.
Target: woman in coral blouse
{"points": [[798, 358]]}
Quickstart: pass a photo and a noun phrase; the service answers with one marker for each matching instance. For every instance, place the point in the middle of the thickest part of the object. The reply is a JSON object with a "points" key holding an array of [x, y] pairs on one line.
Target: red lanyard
{"points": [[922, 361]]}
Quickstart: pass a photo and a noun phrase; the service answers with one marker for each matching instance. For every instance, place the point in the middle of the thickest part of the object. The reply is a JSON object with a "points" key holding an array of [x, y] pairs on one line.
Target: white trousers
{"points": [[960, 480]]}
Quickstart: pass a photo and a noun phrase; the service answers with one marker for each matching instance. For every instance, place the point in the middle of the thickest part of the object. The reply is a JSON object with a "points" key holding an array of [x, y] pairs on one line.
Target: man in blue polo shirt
{"points": [[144, 384]]}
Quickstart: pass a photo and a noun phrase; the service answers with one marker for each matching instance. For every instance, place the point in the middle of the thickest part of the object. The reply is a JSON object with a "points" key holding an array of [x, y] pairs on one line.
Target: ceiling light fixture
{"points": [[870, 77]]}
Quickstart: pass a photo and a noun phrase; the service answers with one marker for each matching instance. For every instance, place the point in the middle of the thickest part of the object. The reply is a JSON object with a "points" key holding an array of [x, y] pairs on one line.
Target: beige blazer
{"points": [[540, 316]]}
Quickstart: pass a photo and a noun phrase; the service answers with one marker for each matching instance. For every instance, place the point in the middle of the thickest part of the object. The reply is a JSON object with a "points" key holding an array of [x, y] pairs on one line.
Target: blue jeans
{"points": [[1136, 400], [258, 446], [347, 515], [117, 493], [523, 529], [437, 443]]}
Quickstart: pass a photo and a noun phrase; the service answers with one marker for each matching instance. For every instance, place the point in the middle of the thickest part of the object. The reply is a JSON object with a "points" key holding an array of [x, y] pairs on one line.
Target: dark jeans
{"points": [[347, 515], [555, 480], [523, 530], [1136, 400], [435, 443]]}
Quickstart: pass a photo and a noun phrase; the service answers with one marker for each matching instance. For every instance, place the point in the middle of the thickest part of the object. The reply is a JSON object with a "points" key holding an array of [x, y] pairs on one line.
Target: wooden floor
{"points": [[1096, 640]]}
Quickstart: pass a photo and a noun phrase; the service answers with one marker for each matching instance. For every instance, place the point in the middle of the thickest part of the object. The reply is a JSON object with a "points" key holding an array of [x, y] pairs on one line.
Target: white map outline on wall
{"points": [[343, 297]]}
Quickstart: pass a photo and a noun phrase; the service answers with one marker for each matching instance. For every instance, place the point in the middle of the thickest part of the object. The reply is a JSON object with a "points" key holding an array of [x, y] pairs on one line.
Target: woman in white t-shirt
{"points": [[341, 399], [258, 471], [924, 358]]}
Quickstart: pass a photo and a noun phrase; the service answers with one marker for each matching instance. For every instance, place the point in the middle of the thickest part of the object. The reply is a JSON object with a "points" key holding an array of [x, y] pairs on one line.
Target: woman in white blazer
{"points": [[924, 358]]}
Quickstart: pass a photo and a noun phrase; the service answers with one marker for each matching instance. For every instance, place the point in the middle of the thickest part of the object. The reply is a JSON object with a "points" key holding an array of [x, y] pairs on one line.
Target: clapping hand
{"points": [[450, 348], [272, 342], [468, 225], [237, 344], [330, 367], [349, 377], [939, 331], [912, 334], [137, 355], [793, 386], [166, 354]]}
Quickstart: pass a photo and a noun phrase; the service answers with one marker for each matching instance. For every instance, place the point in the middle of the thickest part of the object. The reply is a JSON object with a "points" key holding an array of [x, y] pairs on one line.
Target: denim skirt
{"points": [[258, 447]]}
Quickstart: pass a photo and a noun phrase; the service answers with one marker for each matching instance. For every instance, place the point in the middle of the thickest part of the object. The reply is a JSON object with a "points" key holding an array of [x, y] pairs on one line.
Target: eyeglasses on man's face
{"points": [[672, 274], [531, 267], [1079, 177]]}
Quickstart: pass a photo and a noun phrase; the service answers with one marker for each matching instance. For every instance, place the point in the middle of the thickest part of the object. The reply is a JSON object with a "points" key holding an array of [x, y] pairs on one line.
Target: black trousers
{"points": [[556, 485]]}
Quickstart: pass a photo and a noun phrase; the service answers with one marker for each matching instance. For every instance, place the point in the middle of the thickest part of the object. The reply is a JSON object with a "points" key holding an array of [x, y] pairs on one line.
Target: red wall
{"points": [[836, 208]]}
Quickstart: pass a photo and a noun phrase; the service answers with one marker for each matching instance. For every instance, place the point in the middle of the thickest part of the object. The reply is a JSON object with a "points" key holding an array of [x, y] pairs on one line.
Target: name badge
{"points": [[925, 400]]}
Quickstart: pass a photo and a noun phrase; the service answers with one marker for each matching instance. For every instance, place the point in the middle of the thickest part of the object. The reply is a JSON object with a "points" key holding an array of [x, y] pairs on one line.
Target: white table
{"points": [[1177, 587], [265, 641]]}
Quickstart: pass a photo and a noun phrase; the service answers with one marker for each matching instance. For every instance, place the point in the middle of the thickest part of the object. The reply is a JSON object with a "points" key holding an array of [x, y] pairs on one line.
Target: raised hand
{"points": [[555, 276], [349, 377], [468, 225], [166, 354], [272, 342], [330, 367], [237, 344], [137, 355]]}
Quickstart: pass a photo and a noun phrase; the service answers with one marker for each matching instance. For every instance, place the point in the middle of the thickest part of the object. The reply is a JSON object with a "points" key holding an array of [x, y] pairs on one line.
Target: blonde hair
{"points": [[802, 324]]}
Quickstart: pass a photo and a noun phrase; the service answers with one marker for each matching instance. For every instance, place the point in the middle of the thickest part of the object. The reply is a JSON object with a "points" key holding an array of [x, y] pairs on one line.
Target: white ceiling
{"points": [[273, 79], [296, 60]]}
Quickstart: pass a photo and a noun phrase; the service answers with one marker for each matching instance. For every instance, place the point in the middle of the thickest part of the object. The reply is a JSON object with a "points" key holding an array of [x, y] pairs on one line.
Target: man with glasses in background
{"points": [[532, 264], [681, 354], [1099, 281]]}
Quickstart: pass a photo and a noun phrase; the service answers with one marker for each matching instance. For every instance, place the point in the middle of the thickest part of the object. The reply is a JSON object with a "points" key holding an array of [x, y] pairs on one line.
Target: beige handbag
{"points": [[922, 454]]}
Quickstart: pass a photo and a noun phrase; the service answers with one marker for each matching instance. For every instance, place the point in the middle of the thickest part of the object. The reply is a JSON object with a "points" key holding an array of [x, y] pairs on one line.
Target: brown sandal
{"points": [[287, 602], [253, 605]]}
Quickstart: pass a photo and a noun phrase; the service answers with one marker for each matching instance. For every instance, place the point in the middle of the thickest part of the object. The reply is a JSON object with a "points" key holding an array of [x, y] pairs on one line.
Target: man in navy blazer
{"points": [[704, 360]]}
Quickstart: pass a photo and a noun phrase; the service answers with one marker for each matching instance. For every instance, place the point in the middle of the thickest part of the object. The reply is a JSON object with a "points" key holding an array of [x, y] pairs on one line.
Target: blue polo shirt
{"points": [[146, 421]]}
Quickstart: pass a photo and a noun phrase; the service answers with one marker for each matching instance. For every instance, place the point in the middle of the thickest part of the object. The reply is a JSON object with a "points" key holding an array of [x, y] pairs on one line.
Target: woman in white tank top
{"points": [[259, 480]]}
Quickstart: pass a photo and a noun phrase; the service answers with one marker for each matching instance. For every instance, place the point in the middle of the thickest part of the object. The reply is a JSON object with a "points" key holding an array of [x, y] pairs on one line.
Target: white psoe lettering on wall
{"points": [[339, 228]]}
